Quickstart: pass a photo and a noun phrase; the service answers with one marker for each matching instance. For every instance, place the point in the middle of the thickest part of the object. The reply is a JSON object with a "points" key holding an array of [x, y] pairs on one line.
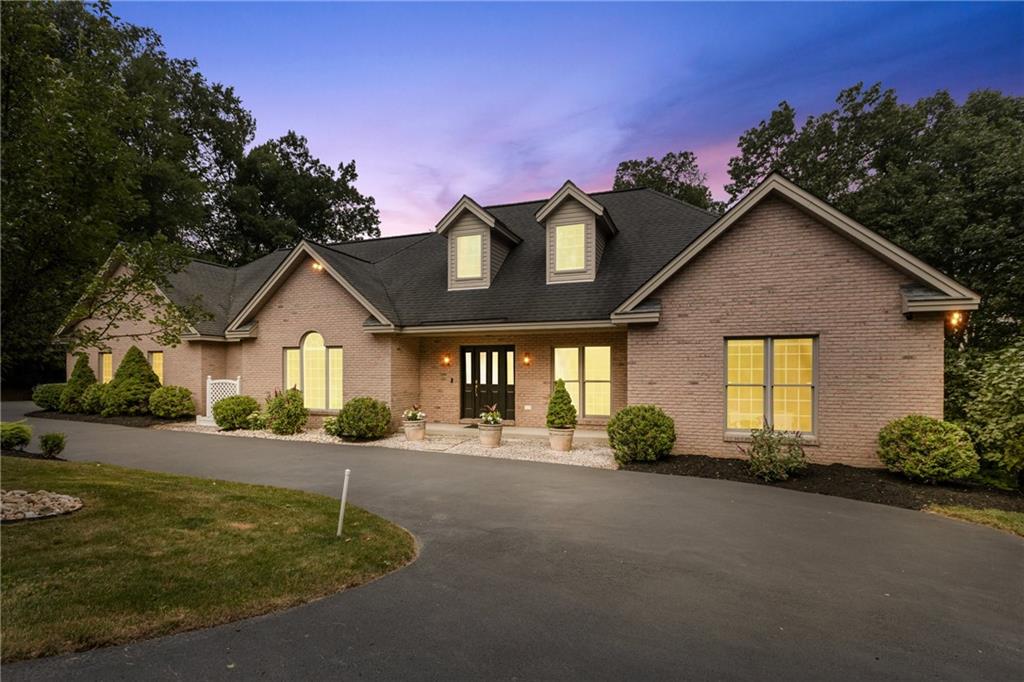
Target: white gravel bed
{"points": [[526, 449], [16, 505]]}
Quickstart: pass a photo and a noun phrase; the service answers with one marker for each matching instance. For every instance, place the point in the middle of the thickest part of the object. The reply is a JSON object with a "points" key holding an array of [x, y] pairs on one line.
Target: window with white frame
{"points": [[770, 380], [317, 370], [570, 247], [469, 256], [587, 373]]}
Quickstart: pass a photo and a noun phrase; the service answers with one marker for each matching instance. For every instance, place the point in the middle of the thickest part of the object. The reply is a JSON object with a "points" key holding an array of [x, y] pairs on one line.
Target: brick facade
{"points": [[779, 272]]}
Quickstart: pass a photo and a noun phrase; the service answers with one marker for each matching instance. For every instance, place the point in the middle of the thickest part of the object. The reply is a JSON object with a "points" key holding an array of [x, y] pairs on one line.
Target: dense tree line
{"points": [[107, 139]]}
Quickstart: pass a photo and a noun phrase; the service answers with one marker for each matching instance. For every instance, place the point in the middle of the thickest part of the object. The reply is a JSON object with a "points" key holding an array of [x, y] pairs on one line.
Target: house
{"points": [[783, 309]]}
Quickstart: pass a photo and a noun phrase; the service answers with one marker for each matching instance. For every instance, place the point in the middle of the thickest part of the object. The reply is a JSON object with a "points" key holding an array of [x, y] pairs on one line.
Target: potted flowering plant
{"points": [[561, 419], [414, 423], [490, 427]]}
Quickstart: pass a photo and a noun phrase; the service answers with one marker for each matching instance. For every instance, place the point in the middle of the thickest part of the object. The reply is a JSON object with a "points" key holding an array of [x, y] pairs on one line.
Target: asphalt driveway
{"points": [[543, 571]]}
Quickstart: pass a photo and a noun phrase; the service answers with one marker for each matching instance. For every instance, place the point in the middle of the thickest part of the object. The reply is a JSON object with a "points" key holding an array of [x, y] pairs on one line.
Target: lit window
{"points": [[318, 371], [594, 365], [787, 401], [570, 247], [469, 256], [156, 361], [106, 367]]}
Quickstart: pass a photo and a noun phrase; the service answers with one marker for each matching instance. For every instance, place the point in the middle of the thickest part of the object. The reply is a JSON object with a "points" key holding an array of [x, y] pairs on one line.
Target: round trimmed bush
{"points": [[15, 435], [52, 444], [171, 402], [93, 397], [234, 412], [82, 378], [361, 418], [286, 414], [927, 449], [47, 396], [641, 433], [126, 398]]}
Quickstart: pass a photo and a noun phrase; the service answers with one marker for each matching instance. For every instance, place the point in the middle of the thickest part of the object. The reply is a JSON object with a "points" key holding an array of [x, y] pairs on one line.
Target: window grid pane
{"points": [[792, 408], [597, 363], [745, 407], [106, 367], [570, 245], [567, 364], [468, 256], [291, 369], [598, 398], [156, 361], [314, 372], [335, 384], [746, 361], [793, 361]]}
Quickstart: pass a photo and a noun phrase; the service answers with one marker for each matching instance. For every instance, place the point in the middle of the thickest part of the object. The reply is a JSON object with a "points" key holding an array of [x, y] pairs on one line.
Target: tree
{"points": [[127, 300], [104, 139], [675, 174], [281, 194], [942, 180]]}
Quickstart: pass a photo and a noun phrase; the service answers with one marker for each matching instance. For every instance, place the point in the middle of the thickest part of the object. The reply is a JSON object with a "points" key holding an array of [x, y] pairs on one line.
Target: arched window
{"points": [[317, 370]]}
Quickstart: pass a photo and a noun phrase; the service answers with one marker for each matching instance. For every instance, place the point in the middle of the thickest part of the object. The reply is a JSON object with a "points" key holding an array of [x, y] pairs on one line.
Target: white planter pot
{"points": [[560, 440], [490, 435], [415, 430]]}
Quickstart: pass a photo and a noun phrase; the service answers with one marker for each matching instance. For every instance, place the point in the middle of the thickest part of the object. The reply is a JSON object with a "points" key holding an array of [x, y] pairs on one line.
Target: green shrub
{"points": [[234, 412], [171, 402], [995, 411], [47, 396], [15, 435], [285, 413], [361, 419], [82, 378], [775, 455], [641, 433], [927, 449], [135, 369], [127, 398], [561, 411], [52, 444], [92, 399]]}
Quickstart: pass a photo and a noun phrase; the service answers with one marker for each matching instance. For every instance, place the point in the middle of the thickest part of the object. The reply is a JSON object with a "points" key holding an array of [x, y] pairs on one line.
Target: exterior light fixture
{"points": [[955, 319], [317, 266], [446, 360], [527, 359]]}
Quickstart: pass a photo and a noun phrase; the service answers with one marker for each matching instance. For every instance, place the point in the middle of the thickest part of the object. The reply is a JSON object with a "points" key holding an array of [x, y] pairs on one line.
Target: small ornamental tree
{"points": [[561, 411], [995, 411], [82, 377]]}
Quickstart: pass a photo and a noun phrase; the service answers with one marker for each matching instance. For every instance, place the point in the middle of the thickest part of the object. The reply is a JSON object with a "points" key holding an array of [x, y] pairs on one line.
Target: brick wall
{"points": [[439, 386], [777, 272]]}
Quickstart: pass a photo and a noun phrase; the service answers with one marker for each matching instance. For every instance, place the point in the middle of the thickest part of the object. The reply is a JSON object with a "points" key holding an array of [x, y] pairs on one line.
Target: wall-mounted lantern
{"points": [[317, 267], [527, 359], [446, 360]]}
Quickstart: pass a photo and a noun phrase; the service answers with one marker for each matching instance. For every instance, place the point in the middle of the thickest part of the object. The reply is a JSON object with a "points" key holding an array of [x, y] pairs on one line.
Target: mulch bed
{"points": [[866, 485], [143, 421], [29, 455]]}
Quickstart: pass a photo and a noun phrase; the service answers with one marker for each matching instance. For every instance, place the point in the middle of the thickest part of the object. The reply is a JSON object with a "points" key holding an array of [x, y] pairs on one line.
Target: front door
{"points": [[488, 377]]}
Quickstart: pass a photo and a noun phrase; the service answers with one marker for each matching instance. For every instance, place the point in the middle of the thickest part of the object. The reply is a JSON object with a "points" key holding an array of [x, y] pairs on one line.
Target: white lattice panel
{"points": [[217, 390]]}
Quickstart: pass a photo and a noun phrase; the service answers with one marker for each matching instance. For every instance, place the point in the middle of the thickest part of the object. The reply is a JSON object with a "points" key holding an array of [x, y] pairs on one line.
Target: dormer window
{"points": [[469, 256], [570, 247], [578, 228], [477, 245]]}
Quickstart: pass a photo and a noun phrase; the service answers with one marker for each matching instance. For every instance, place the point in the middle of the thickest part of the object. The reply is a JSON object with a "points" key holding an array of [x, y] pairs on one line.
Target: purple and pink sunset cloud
{"points": [[506, 101]]}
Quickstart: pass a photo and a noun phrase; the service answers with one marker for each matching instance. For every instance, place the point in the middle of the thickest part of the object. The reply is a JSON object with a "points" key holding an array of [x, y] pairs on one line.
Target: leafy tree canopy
{"points": [[944, 181], [675, 174]]}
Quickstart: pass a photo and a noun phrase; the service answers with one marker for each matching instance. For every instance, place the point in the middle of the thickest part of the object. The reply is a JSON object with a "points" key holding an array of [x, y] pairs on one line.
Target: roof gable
{"points": [[949, 293], [466, 204]]}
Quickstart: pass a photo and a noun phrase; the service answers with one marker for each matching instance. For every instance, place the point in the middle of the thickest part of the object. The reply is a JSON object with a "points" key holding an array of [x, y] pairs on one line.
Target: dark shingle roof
{"points": [[406, 279]]}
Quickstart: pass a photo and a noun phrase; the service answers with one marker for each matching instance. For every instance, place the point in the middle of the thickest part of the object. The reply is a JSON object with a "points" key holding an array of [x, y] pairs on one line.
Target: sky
{"points": [[504, 102]]}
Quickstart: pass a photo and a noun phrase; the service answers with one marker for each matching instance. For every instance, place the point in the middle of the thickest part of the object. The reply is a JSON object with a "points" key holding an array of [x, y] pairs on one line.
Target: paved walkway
{"points": [[542, 571]]}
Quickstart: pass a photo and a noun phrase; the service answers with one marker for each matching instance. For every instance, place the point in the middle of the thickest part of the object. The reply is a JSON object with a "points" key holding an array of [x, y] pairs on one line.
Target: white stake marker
{"points": [[344, 498]]}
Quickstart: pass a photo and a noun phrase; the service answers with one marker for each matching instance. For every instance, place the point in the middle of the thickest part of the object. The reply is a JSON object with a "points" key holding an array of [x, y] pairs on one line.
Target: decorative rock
{"points": [[21, 504]]}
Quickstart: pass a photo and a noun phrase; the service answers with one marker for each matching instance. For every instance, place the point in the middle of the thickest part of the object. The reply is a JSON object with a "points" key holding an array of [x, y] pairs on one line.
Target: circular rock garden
{"points": [[20, 505]]}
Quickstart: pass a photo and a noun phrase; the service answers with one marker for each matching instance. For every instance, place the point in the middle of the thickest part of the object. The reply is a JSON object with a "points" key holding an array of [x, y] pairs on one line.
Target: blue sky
{"points": [[505, 101]]}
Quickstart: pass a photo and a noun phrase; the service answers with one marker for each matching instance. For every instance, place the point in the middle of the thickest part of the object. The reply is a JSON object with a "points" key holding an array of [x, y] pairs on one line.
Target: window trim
{"points": [[583, 381], [571, 271], [302, 371], [768, 385], [473, 278], [163, 358]]}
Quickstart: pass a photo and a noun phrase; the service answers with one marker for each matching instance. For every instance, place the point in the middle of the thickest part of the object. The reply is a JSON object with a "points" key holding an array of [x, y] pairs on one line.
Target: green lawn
{"points": [[997, 518], [152, 554]]}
